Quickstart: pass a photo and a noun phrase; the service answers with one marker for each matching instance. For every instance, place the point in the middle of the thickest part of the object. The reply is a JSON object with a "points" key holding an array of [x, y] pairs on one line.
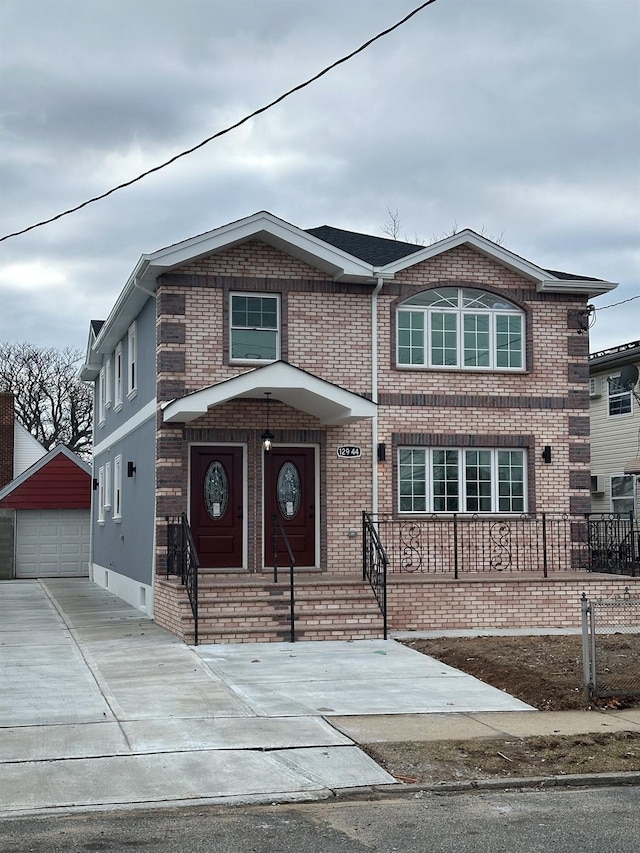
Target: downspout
{"points": [[374, 393]]}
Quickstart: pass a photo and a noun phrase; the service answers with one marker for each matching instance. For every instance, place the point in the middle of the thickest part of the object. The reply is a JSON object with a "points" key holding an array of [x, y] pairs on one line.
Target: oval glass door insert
{"points": [[216, 490], [288, 490]]}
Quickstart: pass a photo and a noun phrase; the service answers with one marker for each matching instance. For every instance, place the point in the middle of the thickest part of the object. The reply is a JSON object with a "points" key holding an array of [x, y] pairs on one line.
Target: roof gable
{"points": [[59, 480], [545, 280]]}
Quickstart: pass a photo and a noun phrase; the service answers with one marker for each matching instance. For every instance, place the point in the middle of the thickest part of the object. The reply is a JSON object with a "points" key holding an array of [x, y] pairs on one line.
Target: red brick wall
{"points": [[6, 438]]}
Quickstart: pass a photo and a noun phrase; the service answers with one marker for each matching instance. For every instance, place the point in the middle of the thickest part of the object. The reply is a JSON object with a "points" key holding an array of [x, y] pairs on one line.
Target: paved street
{"points": [[548, 821]]}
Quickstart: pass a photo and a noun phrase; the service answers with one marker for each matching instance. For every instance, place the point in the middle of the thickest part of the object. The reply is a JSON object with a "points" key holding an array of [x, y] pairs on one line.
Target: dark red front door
{"points": [[217, 506], [290, 493]]}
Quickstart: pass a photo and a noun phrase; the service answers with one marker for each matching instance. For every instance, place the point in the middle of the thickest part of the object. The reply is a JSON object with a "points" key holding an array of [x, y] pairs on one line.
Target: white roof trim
{"points": [[545, 282], [329, 403], [263, 225]]}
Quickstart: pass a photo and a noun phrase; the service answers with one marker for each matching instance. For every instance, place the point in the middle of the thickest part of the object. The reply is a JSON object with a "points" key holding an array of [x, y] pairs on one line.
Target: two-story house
{"points": [[615, 428], [273, 383]]}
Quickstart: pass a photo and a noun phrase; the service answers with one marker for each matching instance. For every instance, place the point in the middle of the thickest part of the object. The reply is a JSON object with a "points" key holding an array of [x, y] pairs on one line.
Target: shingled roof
{"points": [[377, 251]]}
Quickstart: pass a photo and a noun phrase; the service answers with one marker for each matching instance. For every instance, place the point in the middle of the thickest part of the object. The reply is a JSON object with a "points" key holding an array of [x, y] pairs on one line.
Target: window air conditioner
{"points": [[597, 484], [594, 386]]}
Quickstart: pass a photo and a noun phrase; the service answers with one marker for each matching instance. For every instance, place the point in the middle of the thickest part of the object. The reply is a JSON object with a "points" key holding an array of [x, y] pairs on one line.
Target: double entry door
{"points": [[219, 513]]}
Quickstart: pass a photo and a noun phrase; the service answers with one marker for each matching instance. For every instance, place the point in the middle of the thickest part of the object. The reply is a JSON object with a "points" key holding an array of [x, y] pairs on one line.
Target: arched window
{"points": [[460, 327]]}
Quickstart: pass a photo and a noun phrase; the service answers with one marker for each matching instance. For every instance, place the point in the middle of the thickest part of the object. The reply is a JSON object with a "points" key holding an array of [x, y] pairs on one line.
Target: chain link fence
{"points": [[611, 646]]}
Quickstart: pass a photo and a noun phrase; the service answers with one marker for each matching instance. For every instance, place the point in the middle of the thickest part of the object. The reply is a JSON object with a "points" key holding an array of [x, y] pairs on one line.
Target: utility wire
{"points": [[615, 304], [226, 130]]}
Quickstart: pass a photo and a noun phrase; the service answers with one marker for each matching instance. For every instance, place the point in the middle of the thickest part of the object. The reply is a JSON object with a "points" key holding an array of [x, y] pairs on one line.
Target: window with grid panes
{"points": [[461, 480], [462, 328]]}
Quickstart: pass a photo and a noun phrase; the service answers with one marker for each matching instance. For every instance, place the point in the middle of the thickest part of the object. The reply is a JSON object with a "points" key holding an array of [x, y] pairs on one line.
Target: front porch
{"points": [[429, 575]]}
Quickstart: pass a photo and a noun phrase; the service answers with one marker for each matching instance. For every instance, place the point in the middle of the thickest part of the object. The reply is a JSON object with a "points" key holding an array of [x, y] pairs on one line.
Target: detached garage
{"points": [[51, 501]]}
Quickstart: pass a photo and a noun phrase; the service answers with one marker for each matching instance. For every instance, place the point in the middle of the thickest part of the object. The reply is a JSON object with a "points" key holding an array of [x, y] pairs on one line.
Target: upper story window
{"points": [[463, 328], [117, 377], [619, 398], [102, 396], [132, 361], [108, 384], [461, 480], [255, 327]]}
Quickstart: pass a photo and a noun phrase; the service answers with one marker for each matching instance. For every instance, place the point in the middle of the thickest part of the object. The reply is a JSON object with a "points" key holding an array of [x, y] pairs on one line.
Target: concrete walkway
{"points": [[100, 707]]}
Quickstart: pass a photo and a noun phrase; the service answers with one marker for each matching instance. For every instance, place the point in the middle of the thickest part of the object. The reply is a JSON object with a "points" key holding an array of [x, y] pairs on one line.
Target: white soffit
{"points": [[330, 404]]}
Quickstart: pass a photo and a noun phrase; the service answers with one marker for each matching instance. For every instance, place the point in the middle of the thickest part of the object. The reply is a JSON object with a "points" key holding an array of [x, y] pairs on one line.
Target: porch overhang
{"points": [[331, 404]]}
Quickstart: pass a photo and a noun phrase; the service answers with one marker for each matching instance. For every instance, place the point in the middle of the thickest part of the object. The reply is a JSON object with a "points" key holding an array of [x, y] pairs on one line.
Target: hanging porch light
{"points": [[267, 436]]}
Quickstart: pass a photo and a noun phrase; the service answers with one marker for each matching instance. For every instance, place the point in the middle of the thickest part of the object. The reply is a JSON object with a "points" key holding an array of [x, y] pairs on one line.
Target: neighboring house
{"points": [[45, 500], [615, 429], [400, 380]]}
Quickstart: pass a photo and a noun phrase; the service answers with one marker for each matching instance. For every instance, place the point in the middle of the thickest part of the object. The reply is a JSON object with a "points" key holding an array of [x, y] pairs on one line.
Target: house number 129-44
{"points": [[349, 451]]}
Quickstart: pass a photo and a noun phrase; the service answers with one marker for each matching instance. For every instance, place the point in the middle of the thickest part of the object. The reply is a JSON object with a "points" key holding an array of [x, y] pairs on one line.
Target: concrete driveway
{"points": [[99, 706]]}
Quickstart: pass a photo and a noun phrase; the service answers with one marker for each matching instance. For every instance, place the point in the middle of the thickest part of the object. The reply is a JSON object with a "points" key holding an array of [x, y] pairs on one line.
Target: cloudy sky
{"points": [[518, 118]]}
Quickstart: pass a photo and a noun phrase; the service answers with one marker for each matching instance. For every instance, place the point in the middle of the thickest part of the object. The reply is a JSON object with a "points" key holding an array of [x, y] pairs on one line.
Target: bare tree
{"points": [[392, 225], [50, 400]]}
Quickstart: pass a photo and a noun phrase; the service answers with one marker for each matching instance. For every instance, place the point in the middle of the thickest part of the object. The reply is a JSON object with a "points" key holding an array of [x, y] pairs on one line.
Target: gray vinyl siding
{"points": [[146, 375], [126, 546]]}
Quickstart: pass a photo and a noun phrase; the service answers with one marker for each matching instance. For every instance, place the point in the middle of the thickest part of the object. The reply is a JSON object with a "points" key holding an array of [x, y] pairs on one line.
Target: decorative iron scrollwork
{"points": [[411, 552], [500, 538]]}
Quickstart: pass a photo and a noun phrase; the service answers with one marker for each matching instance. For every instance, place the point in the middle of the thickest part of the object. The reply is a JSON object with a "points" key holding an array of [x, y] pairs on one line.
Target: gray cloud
{"points": [[521, 119]]}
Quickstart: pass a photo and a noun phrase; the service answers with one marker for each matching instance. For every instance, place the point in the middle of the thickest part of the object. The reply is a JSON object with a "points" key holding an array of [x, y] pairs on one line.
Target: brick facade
{"points": [[7, 417], [326, 330]]}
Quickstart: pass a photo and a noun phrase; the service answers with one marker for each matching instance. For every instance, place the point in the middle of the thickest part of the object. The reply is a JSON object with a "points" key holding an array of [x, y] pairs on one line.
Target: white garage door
{"points": [[52, 543]]}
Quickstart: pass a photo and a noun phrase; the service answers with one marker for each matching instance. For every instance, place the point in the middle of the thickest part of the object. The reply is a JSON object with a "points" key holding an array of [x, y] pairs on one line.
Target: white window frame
{"points": [[107, 485], [277, 330], [102, 387], [618, 395], [615, 500], [101, 495], [426, 316], [132, 361], [460, 464], [117, 488], [108, 399], [117, 378]]}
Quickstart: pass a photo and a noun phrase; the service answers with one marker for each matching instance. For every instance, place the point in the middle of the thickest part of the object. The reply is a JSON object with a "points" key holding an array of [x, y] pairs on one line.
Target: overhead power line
{"points": [[226, 130], [615, 304]]}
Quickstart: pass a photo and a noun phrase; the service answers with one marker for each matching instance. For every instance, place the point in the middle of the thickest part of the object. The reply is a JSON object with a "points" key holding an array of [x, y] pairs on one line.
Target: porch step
{"points": [[241, 609]]}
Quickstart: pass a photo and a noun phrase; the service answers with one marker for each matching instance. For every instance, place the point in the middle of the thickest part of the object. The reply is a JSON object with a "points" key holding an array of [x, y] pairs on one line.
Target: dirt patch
{"points": [[498, 758], [545, 672]]}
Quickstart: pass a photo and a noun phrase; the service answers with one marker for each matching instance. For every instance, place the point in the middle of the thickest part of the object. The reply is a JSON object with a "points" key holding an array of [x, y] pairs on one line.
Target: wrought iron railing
{"points": [[374, 564], [614, 543], [277, 529], [182, 561], [545, 544]]}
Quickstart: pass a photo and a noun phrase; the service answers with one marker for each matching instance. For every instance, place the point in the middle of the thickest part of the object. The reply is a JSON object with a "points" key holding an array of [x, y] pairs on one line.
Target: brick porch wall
{"points": [[481, 604]]}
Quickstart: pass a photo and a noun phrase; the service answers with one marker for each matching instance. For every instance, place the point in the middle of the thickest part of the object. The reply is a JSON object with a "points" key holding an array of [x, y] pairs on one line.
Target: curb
{"points": [[574, 780]]}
